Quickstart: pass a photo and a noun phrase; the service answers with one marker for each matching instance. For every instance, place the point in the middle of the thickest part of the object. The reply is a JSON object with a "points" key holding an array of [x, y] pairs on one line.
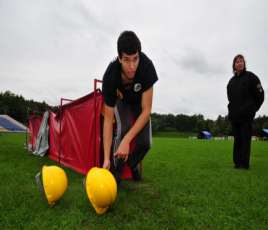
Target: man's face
{"points": [[129, 64], [239, 64]]}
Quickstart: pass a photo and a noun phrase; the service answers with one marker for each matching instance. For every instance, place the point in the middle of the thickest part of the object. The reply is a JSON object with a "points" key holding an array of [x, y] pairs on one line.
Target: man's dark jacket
{"points": [[245, 95]]}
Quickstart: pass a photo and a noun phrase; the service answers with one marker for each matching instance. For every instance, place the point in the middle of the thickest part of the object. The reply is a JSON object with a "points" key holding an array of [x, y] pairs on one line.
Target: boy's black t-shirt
{"points": [[112, 84]]}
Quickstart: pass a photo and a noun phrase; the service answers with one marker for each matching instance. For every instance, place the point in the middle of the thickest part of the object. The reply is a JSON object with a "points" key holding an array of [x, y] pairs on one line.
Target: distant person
{"points": [[128, 95], [245, 95]]}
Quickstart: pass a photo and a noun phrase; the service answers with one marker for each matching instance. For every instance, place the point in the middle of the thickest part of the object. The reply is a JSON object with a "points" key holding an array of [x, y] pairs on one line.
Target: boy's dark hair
{"points": [[235, 58], [128, 43]]}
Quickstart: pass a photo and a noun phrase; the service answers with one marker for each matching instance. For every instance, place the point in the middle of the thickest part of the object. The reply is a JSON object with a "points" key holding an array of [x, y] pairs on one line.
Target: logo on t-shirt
{"points": [[259, 87], [137, 87]]}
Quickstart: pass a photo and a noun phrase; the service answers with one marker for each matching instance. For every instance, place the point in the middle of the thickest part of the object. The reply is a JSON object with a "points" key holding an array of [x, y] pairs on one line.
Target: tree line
{"points": [[196, 123], [20, 109]]}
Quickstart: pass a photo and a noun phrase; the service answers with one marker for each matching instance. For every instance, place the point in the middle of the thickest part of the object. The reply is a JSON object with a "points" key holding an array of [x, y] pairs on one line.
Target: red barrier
{"points": [[75, 133], [77, 144], [34, 125]]}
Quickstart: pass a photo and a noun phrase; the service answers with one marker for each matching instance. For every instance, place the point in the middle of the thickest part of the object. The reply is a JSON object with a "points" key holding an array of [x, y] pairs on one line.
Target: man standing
{"points": [[245, 95], [128, 94]]}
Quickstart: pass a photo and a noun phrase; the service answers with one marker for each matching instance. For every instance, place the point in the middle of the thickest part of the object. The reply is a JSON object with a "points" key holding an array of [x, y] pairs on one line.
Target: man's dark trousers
{"points": [[242, 143]]}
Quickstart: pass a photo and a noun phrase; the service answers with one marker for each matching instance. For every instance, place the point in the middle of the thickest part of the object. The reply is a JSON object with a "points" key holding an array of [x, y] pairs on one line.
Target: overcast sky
{"points": [[53, 49]]}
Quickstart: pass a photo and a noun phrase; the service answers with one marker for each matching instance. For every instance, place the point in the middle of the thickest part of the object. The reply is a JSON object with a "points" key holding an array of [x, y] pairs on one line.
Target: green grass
{"points": [[188, 184], [174, 134]]}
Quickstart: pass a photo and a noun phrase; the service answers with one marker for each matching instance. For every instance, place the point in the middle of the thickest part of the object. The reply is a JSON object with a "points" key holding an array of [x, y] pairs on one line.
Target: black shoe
{"points": [[237, 166], [245, 166], [136, 174]]}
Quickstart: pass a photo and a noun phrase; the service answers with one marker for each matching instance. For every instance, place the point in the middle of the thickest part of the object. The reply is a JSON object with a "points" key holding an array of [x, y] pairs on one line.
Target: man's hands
{"points": [[123, 150]]}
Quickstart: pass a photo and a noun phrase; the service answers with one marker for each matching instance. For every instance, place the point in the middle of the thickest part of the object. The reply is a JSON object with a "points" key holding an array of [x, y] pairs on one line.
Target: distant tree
{"points": [[260, 123], [19, 108], [265, 125]]}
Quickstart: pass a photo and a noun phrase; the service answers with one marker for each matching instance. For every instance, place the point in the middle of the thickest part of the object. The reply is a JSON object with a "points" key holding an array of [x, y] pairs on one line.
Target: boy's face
{"points": [[129, 64]]}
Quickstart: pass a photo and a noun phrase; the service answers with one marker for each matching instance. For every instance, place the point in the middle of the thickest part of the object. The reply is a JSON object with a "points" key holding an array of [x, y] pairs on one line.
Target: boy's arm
{"points": [[107, 134]]}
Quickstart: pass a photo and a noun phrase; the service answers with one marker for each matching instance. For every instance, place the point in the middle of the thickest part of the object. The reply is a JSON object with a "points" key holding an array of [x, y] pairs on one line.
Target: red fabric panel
{"points": [[126, 172], [34, 125], [75, 146], [54, 136]]}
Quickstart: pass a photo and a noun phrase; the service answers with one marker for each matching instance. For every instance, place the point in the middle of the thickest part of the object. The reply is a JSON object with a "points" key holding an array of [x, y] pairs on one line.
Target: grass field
{"points": [[174, 134], [188, 184]]}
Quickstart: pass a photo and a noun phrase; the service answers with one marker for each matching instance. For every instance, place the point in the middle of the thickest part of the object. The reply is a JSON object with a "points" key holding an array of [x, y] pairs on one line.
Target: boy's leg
{"points": [[123, 124], [140, 146], [126, 116]]}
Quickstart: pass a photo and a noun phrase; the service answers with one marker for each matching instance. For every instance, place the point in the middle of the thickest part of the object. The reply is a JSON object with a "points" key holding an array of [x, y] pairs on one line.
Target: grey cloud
{"points": [[53, 49], [193, 60]]}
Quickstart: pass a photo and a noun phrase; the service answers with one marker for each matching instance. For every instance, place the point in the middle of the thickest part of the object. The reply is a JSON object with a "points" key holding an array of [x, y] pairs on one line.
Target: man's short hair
{"points": [[128, 43]]}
